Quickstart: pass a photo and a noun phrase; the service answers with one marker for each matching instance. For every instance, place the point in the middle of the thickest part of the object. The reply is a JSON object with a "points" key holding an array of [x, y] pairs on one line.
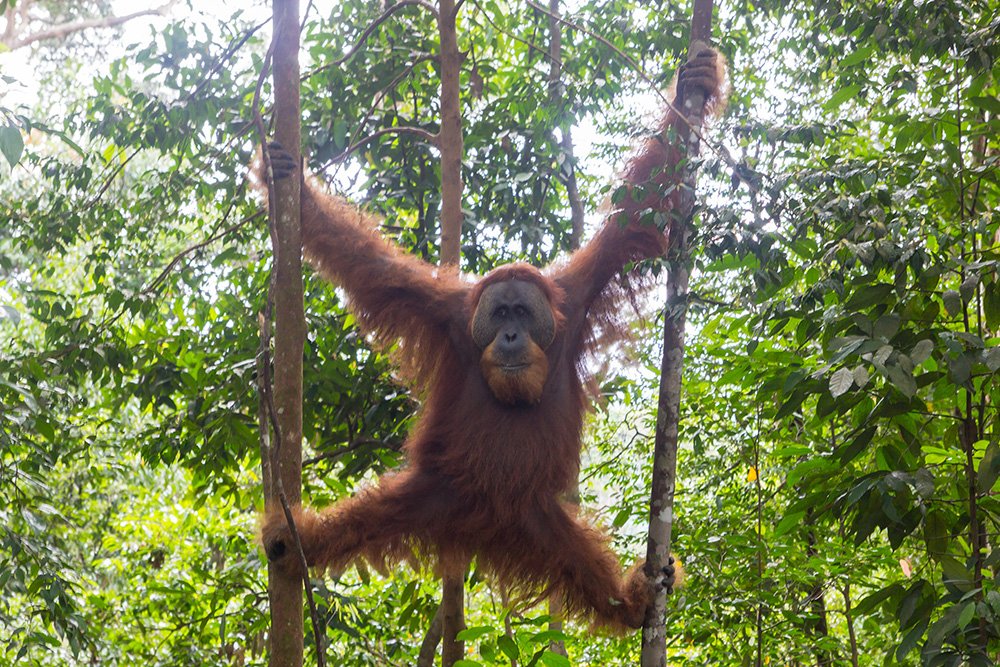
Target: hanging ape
{"points": [[498, 439]]}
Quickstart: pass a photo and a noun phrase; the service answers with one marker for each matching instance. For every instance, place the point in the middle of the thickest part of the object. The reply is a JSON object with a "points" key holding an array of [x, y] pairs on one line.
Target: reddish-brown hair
{"points": [[485, 470]]}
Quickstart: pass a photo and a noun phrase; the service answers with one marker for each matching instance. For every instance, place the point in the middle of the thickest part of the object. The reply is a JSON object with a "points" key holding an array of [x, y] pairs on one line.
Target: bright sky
{"points": [[18, 65], [23, 94]]}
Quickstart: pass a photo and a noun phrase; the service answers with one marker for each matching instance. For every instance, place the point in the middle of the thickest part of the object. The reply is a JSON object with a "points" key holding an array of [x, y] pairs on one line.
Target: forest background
{"points": [[840, 452]]}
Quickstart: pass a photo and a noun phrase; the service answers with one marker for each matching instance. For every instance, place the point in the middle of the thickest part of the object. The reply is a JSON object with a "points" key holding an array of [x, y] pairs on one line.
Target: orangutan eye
{"points": [[521, 311], [502, 312]]}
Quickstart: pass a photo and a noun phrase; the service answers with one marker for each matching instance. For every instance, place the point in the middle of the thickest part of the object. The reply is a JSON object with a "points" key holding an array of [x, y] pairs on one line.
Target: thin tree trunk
{"points": [[668, 410], [849, 619], [568, 176], [759, 560], [451, 146], [285, 592], [970, 429], [451, 136], [568, 167], [453, 618], [428, 648], [818, 627]]}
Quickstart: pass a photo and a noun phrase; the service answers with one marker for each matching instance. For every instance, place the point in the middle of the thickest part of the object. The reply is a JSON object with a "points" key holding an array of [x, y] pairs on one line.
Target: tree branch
{"points": [[65, 29], [353, 446], [371, 28], [719, 150], [567, 170], [428, 647], [429, 137]]}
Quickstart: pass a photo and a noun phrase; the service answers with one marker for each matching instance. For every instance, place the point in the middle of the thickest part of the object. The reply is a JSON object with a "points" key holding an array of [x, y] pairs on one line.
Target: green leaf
{"points": [[943, 626], [886, 326], [954, 572], [550, 659], [11, 144], [952, 302], [991, 305], [788, 522], [960, 369], [991, 104], [46, 430], [340, 133], [913, 605], [869, 296], [842, 96], [547, 637], [869, 603], [10, 313], [509, 647], [921, 352], [968, 612], [902, 380], [841, 381], [968, 287], [911, 639], [989, 468], [882, 355], [936, 532], [792, 451], [857, 57], [992, 359], [474, 633], [849, 452], [806, 468]]}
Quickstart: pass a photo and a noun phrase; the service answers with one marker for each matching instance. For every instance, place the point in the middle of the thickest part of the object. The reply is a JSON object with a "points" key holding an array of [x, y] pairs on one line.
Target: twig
{"points": [[357, 143], [354, 446], [429, 137], [109, 180], [530, 45], [720, 151], [233, 47], [371, 28], [172, 264]]}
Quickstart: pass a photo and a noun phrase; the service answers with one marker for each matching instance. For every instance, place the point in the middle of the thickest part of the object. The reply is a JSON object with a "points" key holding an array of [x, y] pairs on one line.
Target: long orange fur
{"points": [[483, 477]]}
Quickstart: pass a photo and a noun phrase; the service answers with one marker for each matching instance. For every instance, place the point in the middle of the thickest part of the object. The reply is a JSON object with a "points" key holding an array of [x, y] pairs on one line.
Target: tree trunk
{"points": [[285, 592], [452, 618], [451, 146], [661, 504], [451, 143], [817, 626], [565, 123], [568, 176]]}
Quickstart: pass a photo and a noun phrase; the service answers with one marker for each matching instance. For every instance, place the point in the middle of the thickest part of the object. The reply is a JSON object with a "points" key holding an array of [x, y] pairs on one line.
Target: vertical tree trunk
{"points": [[817, 626], [284, 592], [452, 618], [668, 410], [849, 620], [451, 136], [565, 123], [451, 146], [568, 176], [428, 648]]}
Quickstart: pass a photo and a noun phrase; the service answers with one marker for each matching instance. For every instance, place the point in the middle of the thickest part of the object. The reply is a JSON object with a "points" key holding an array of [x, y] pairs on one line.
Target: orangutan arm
{"points": [[652, 181]]}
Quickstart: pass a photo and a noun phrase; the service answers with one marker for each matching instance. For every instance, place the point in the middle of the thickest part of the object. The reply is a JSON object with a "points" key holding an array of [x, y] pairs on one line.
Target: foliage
{"points": [[837, 484]]}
